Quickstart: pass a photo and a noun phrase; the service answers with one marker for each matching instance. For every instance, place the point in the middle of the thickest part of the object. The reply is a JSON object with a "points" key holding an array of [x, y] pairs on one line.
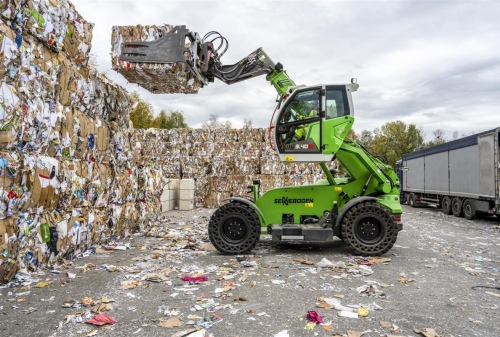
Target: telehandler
{"points": [[309, 124]]}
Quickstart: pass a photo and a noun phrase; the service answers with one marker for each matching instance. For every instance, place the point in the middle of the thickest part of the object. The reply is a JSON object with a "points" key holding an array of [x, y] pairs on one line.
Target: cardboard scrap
{"points": [[207, 247], [322, 304], [493, 293], [351, 333], [87, 301], [428, 332], [155, 277], [129, 284], [197, 331], [242, 299], [406, 280], [29, 310], [378, 259], [103, 306], [304, 261], [326, 327], [43, 284], [171, 323]]}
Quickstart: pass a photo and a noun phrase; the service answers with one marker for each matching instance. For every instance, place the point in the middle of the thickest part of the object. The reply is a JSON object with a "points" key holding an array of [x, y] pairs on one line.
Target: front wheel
{"points": [[369, 229], [469, 209], [234, 228]]}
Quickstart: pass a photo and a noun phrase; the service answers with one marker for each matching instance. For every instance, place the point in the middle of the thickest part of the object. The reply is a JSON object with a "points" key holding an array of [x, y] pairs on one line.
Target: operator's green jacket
{"points": [[301, 131]]}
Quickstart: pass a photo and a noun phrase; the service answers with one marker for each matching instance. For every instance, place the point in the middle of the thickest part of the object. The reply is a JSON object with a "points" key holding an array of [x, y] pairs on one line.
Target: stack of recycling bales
{"points": [[222, 162], [68, 174]]}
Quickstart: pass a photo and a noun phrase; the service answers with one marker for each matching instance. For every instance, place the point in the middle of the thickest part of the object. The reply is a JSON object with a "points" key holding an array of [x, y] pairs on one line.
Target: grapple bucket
{"points": [[174, 47], [166, 62]]}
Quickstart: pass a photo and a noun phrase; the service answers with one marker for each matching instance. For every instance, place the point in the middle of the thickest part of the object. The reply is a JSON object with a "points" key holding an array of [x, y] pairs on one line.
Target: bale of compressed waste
{"points": [[157, 78]]}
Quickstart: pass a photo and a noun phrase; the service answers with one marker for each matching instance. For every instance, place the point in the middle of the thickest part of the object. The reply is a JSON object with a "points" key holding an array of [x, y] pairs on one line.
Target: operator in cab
{"points": [[301, 131]]}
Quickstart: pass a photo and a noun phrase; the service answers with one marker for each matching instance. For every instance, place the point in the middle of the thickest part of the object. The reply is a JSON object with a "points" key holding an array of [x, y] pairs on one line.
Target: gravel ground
{"points": [[427, 284]]}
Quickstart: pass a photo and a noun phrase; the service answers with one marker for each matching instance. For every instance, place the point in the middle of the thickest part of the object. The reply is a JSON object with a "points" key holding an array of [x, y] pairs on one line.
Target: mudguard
{"points": [[251, 205]]}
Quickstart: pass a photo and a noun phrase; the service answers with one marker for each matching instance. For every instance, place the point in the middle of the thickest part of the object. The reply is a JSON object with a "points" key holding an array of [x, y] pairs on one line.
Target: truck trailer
{"points": [[461, 176]]}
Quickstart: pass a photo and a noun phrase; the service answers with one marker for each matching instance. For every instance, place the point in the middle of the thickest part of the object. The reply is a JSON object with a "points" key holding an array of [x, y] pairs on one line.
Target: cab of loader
{"points": [[313, 122]]}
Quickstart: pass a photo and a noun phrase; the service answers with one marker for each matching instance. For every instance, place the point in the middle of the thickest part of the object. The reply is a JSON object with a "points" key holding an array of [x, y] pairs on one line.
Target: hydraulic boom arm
{"points": [[204, 59]]}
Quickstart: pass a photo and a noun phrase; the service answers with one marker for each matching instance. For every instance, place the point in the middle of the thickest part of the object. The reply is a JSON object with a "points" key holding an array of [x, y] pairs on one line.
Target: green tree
{"points": [[142, 115], [161, 121], [176, 120], [170, 120], [367, 139], [394, 139]]}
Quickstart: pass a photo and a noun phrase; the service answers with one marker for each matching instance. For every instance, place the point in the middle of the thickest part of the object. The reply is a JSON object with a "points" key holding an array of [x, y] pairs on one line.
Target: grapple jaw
{"points": [[169, 64], [176, 46]]}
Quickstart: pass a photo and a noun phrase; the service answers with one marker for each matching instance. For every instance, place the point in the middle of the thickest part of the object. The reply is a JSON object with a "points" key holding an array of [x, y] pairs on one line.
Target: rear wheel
{"points": [[456, 206], [469, 209], [369, 229], [446, 205], [234, 228], [411, 200]]}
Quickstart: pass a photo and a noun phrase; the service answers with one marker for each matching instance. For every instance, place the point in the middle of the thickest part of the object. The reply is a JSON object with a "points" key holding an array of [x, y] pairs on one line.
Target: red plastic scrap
{"points": [[365, 263], [314, 317], [195, 279], [101, 319]]}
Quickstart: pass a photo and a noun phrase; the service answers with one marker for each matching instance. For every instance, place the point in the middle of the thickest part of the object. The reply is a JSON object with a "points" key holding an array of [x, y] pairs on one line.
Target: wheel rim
{"points": [[234, 229], [467, 209], [456, 207], [369, 231]]}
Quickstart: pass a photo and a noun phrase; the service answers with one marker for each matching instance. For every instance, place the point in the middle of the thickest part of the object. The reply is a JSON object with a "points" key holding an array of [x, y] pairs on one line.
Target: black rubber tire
{"points": [[456, 207], [411, 200], [234, 228], [446, 205], [469, 209], [369, 229]]}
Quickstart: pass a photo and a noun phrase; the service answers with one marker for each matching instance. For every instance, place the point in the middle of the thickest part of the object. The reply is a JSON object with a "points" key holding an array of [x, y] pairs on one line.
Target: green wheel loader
{"points": [[310, 124]]}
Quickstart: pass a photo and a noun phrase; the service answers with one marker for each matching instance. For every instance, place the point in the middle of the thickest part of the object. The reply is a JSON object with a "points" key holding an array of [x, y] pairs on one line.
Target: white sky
{"points": [[432, 63]]}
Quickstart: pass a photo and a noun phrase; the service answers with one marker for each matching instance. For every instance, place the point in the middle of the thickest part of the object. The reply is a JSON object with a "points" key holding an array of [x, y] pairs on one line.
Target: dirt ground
{"points": [[442, 274]]}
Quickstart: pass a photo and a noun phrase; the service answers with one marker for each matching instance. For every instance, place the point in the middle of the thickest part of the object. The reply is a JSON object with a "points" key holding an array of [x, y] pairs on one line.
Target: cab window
{"points": [[298, 127], [336, 102]]}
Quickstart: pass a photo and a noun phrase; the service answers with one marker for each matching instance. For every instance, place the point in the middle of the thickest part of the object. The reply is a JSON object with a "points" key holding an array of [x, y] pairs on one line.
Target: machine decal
{"points": [[289, 158], [304, 147], [338, 189], [309, 205], [285, 201]]}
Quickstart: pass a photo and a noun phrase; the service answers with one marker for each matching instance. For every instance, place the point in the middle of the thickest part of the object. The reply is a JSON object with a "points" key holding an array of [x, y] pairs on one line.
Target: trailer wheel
{"points": [[469, 209], [456, 206], [446, 205], [411, 200], [369, 229], [234, 228]]}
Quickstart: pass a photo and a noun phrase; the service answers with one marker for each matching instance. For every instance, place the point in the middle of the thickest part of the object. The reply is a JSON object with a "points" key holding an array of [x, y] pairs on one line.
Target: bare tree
{"points": [[214, 122], [247, 124]]}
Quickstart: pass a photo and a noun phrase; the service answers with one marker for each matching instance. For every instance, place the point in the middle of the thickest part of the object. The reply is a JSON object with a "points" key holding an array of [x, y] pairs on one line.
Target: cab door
{"points": [[338, 117], [298, 129]]}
